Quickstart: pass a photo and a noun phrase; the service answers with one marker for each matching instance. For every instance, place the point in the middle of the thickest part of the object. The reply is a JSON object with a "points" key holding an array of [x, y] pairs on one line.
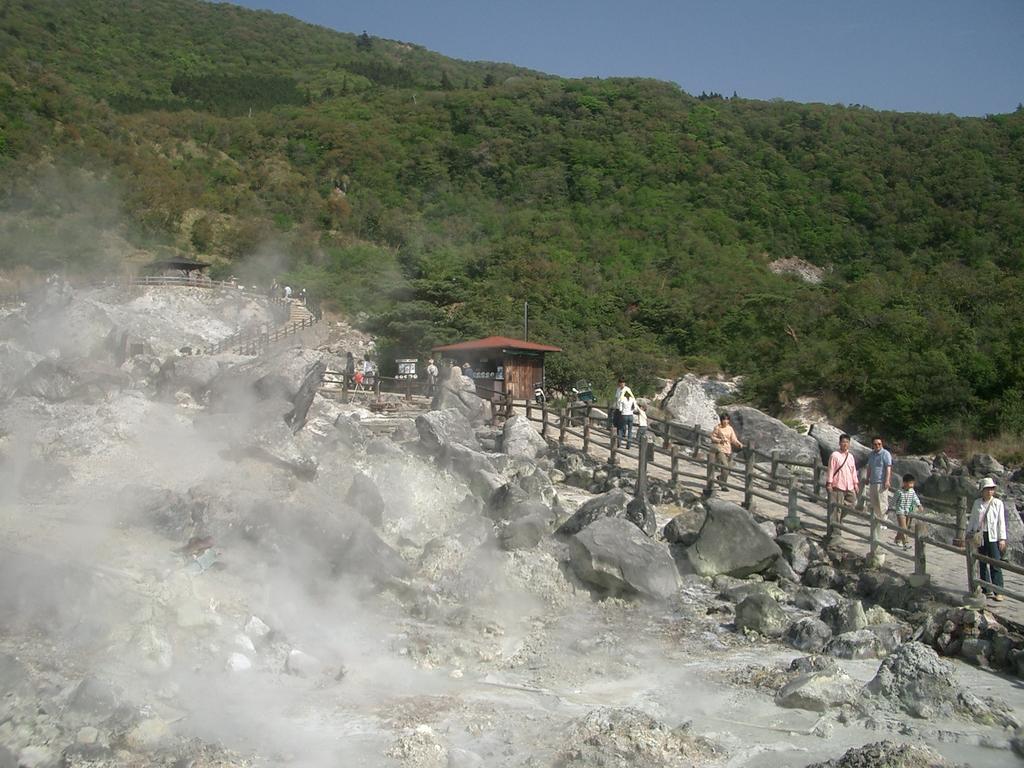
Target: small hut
{"points": [[500, 364]]}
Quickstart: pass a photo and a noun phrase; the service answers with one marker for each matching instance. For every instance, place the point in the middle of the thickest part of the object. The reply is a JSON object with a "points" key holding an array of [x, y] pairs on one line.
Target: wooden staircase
{"points": [[298, 312]]}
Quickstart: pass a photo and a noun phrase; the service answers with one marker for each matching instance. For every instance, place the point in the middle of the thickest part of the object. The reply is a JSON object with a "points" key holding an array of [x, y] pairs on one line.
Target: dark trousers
{"points": [[625, 429], [990, 549]]}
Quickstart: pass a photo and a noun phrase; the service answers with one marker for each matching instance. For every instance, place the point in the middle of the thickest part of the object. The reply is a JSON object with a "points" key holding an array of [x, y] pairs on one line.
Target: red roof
{"points": [[497, 342]]}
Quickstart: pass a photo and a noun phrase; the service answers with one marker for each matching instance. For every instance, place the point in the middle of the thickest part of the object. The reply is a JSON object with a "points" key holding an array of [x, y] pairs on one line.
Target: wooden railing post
{"points": [[961, 522], [818, 472], [773, 486], [831, 511], [376, 388], [544, 420], [748, 477], [920, 576], [529, 409], [586, 429], [563, 421], [613, 444], [666, 439], [674, 455], [792, 512], [641, 472], [873, 529], [696, 440], [710, 480]]}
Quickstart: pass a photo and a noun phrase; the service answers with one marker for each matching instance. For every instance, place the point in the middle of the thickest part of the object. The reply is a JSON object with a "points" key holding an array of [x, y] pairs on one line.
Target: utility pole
{"points": [[526, 321]]}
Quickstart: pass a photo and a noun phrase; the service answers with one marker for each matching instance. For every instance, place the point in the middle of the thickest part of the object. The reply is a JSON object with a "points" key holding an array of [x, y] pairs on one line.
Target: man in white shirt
{"points": [[988, 517]]}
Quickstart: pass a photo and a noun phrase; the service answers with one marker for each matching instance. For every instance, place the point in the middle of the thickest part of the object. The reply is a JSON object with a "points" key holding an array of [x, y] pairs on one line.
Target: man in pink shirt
{"points": [[842, 483]]}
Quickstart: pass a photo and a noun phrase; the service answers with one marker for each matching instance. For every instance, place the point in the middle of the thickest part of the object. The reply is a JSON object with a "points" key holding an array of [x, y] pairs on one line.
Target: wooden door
{"points": [[521, 373]]}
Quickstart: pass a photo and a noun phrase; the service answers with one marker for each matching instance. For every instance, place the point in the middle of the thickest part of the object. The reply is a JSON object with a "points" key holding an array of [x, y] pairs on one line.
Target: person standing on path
{"points": [[431, 377], [723, 440], [988, 517], [906, 504], [879, 477], [842, 483], [641, 423], [627, 409]]}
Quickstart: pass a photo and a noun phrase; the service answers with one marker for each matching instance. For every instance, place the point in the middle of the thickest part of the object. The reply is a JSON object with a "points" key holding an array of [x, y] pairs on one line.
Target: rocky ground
{"points": [[206, 563]]}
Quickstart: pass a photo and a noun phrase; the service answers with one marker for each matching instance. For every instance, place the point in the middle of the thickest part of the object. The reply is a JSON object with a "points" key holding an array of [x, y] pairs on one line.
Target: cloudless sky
{"points": [[960, 56]]}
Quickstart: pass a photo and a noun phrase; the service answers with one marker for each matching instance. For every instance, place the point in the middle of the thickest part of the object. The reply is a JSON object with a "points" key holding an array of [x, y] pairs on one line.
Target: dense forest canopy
{"points": [[436, 196]]}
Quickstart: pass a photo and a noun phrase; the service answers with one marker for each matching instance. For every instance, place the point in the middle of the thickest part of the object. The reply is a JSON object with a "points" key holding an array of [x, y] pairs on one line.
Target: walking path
{"points": [[947, 570]]}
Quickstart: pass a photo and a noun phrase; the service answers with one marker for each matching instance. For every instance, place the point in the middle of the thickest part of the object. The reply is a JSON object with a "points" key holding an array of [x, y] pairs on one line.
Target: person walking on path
{"points": [[431, 377], [641, 423], [879, 477], [723, 440], [627, 410], [842, 483], [906, 504], [988, 517], [615, 412]]}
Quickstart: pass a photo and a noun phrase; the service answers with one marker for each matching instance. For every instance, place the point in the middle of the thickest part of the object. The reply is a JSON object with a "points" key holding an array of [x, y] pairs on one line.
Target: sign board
{"points": [[406, 368]]}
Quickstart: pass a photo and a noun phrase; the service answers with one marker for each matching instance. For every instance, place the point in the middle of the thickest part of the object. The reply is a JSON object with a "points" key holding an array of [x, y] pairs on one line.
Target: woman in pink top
{"points": [[842, 483]]}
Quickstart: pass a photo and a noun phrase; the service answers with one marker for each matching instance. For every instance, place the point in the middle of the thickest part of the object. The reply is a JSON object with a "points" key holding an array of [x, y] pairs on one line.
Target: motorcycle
{"points": [[539, 396], [583, 392]]}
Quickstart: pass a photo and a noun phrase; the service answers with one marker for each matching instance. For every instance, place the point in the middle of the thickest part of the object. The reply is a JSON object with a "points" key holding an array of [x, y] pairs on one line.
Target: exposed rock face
{"points": [[65, 379], [684, 527], [916, 681], [519, 438], [818, 691], [614, 555], [611, 504], [827, 438], [903, 465], [692, 400], [730, 542], [848, 616], [760, 613], [628, 737], [365, 498], [640, 512], [858, 644], [192, 373], [797, 550], [889, 755], [809, 635], [458, 392], [441, 429], [769, 434]]}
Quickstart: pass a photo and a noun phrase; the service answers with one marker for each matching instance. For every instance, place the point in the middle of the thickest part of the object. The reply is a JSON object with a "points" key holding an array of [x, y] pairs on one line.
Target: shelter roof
{"points": [[497, 342], [176, 264]]}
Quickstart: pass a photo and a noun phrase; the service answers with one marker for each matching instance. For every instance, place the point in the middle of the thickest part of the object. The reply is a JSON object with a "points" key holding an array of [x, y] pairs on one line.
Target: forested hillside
{"points": [[437, 195]]}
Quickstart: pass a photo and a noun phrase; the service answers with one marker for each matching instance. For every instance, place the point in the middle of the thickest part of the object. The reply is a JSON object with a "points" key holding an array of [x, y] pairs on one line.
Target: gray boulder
{"points": [[814, 599], [615, 556], [847, 616], [640, 512], [818, 691], [440, 429], [915, 680], [730, 542], [760, 613], [524, 532], [888, 754], [796, 549], [809, 635], [768, 434], [519, 438], [458, 392], [860, 644], [291, 374], [692, 400], [685, 527], [610, 504], [985, 465], [827, 438], [921, 469]]}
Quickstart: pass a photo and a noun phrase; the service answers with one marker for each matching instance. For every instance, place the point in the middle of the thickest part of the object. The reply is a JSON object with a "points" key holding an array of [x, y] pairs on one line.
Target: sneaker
{"points": [[997, 597]]}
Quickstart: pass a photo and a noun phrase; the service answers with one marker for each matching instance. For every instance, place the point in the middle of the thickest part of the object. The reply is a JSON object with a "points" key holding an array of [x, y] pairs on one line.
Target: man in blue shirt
{"points": [[879, 477]]}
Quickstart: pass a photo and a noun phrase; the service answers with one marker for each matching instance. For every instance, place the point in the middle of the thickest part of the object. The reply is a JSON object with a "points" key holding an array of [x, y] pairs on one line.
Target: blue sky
{"points": [[965, 57]]}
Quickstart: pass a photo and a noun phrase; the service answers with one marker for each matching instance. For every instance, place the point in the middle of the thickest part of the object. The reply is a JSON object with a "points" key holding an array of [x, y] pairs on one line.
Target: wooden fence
{"points": [[344, 384], [255, 342], [683, 454]]}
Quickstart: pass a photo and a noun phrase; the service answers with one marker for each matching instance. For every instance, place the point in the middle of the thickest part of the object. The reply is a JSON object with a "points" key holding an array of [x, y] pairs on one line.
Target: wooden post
{"points": [[961, 523], [775, 471], [641, 472], [972, 580], [710, 481], [748, 478], [613, 446], [674, 455], [408, 389], [563, 421], [529, 409], [873, 533], [696, 439], [376, 388], [586, 429], [818, 472], [666, 438], [344, 387], [920, 576], [792, 513], [544, 420]]}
